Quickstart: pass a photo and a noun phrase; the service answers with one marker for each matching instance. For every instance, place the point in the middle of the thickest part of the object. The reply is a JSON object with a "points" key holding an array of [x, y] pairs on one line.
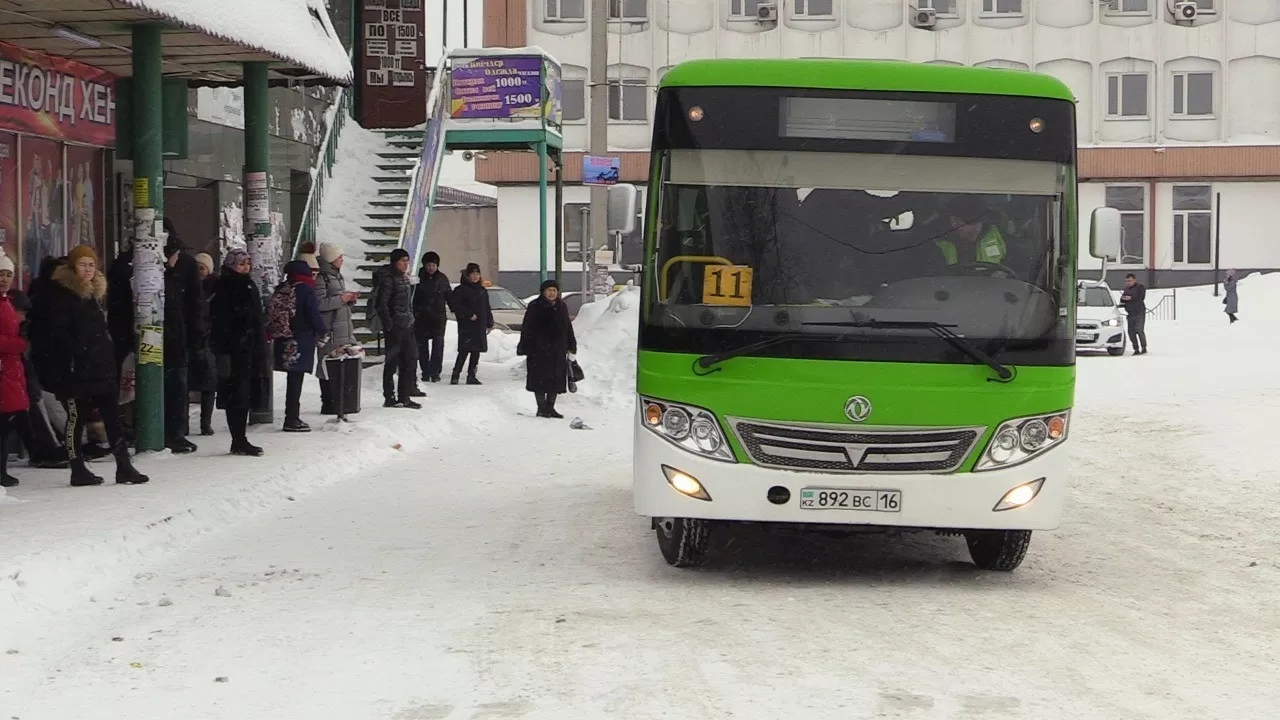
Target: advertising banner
{"points": [[221, 106], [601, 170], [42, 203], [85, 198], [496, 87], [56, 98], [554, 107], [417, 217], [391, 85], [9, 198]]}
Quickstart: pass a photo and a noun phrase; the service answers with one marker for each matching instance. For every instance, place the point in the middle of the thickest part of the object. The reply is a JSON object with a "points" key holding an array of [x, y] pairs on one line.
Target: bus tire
{"points": [[683, 541], [1001, 550]]}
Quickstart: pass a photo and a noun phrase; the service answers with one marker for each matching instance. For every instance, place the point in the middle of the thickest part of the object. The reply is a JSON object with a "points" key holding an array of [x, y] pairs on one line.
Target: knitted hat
{"points": [[310, 260], [471, 268], [79, 253], [399, 254], [330, 252], [205, 260], [431, 257], [549, 284], [5, 263], [233, 258]]}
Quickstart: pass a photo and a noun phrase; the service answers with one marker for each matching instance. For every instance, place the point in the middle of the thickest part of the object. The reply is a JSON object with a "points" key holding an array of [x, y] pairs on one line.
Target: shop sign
{"points": [[56, 98]]}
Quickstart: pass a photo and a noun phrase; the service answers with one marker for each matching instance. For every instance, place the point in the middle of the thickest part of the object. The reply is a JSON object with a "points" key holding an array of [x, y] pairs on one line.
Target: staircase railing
{"points": [[335, 120]]}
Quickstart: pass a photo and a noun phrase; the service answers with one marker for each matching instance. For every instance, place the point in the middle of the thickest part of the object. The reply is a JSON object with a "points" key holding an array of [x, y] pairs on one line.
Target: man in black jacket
{"points": [[431, 316], [1134, 300], [184, 336], [394, 305]]}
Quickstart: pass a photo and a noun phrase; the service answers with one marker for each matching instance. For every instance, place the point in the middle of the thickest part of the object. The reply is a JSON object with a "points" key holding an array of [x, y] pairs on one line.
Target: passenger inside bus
{"points": [[811, 246]]}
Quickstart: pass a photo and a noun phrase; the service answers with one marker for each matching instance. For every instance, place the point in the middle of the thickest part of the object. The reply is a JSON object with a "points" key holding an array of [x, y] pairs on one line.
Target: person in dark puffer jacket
{"points": [[82, 371], [475, 319]]}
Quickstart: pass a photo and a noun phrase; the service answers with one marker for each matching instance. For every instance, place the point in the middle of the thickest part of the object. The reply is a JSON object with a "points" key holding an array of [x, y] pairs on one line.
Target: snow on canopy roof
{"points": [[298, 31]]}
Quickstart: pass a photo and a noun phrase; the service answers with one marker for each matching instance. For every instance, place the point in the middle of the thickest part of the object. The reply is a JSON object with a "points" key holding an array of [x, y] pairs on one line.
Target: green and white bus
{"points": [[858, 302]]}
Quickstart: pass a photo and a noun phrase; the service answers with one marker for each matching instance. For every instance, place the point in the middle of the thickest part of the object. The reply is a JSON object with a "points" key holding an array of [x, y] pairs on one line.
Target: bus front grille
{"points": [[841, 449]]}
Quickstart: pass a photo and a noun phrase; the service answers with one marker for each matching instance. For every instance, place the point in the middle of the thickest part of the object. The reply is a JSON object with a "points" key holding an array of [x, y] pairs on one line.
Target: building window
{"points": [[574, 99], [815, 8], [629, 10], [941, 8], [1001, 7], [742, 9], [1127, 95], [1131, 201], [1129, 7], [566, 10], [575, 223], [1193, 94], [1193, 224], [628, 100]]}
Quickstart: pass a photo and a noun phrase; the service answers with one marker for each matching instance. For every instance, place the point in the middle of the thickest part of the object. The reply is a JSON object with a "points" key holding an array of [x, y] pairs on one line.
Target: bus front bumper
{"points": [[745, 492]]}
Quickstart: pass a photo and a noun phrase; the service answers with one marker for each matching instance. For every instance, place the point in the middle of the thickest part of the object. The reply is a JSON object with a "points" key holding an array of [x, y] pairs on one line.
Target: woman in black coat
{"points": [[239, 343], [475, 319], [78, 356], [546, 341]]}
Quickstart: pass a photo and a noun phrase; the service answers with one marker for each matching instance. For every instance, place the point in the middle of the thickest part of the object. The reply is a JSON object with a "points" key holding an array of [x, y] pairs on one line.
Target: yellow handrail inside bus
{"points": [[666, 267]]}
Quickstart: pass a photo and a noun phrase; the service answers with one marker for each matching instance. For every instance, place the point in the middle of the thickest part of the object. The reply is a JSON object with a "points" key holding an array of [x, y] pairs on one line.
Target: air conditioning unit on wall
{"points": [[766, 12], [926, 18], [1186, 10]]}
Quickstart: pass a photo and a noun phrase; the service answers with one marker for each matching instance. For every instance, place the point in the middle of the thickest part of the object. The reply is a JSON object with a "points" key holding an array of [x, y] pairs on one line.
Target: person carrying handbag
{"points": [[546, 342]]}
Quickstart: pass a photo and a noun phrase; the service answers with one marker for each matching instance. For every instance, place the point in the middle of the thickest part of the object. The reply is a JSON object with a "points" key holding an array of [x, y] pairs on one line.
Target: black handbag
{"points": [[575, 372]]}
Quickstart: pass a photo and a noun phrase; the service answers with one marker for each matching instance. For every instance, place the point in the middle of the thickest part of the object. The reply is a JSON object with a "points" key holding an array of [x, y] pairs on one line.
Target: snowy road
{"points": [[457, 584]]}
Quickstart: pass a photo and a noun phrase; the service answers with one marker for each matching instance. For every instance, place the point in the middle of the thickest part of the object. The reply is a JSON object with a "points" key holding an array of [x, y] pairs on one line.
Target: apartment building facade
{"points": [[1178, 108]]}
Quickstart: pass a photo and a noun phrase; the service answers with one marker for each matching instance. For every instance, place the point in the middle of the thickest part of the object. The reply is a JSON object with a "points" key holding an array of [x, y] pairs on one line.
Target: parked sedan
{"points": [[1100, 324], [508, 310]]}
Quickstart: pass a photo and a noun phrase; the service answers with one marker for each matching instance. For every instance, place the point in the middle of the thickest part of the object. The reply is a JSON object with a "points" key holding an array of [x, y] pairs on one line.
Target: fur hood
{"points": [[96, 288]]}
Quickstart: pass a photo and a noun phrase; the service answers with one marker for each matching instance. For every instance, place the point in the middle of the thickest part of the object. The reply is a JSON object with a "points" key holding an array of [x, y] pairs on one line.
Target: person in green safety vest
{"points": [[972, 240]]}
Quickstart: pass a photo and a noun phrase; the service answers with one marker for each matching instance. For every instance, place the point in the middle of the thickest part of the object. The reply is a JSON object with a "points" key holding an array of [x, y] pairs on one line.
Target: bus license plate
{"points": [[817, 498]]}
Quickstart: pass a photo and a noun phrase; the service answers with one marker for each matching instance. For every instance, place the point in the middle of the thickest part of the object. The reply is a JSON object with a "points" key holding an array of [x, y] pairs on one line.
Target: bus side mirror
{"points": [[1104, 234], [621, 211]]}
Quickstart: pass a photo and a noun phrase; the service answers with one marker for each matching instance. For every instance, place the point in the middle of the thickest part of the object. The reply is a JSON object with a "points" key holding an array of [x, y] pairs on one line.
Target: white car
{"points": [[1100, 322]]}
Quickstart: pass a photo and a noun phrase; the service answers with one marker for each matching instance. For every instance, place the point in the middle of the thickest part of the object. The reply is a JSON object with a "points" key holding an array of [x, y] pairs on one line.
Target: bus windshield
{"points": [[975, 243]]}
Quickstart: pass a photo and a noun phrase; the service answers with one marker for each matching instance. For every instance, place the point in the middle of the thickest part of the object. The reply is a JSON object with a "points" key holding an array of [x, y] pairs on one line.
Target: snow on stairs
{"points": [[370, 192], [381, 228]]}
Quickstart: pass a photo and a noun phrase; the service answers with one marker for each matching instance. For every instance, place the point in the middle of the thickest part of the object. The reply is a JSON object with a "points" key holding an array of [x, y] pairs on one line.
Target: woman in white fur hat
{"points": [[335, 309]]}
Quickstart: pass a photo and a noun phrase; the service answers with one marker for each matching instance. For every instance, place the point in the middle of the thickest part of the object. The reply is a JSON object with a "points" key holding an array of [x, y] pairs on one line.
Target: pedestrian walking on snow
{"points": [[431, 316], [475, 319], [82, 370], [295, 352], [393, 302], [239, 344], [546, 342], [335, 303], [1231, 302]]}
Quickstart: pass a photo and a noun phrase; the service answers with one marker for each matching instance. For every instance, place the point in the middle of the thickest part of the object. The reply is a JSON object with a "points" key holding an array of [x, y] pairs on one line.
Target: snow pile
{"points": [[294, 30], [348, 193], [606, 331]]}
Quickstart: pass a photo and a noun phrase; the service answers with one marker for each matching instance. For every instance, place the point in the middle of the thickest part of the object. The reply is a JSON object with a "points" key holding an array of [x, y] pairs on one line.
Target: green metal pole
{"points": [[257, 199], [559, 204], [148, 258], [542, 209]]}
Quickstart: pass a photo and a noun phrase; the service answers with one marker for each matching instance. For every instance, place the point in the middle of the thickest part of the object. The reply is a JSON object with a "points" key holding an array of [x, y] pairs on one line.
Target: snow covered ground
{"points": [[492, 568]]}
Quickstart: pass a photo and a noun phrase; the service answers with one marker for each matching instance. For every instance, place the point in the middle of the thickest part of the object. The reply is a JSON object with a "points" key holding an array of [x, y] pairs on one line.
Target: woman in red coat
{"points": [[13, 381]]}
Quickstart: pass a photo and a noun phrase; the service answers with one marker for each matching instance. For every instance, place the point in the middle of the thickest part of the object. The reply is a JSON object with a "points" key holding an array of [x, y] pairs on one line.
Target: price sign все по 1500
{"points": [[391, 87]]}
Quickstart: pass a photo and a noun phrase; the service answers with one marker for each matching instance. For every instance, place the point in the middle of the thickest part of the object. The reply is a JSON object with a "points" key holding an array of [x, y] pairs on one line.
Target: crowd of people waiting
{"points": [[67, 347]]}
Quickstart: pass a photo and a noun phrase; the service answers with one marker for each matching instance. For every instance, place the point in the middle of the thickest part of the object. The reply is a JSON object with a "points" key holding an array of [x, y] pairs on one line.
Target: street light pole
{"points": [[598, 137]]}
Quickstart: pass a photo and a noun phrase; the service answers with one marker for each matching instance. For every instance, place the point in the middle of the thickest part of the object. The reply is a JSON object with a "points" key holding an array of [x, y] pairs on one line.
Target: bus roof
{"points": [[847, 74]]}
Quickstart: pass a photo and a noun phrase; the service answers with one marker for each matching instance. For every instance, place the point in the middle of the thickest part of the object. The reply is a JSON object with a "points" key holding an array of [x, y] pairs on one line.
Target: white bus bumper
{"points": [[741, 492]]}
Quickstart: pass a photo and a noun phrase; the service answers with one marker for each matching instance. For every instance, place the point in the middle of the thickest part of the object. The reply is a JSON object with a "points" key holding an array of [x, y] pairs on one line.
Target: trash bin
{"points": [[344, 384]]}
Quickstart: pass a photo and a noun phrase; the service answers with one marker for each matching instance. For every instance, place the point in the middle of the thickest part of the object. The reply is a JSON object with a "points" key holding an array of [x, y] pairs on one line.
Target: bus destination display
{"points": [[867, 119]]}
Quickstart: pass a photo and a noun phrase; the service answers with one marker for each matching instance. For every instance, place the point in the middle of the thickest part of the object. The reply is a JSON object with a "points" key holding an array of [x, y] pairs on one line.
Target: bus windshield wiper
{"points": [[707, 361], [937, 328]]}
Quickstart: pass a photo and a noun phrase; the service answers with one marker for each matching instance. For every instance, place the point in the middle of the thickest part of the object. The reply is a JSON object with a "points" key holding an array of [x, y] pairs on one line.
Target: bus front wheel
{"points": [[1001, 550], [683, 541]]}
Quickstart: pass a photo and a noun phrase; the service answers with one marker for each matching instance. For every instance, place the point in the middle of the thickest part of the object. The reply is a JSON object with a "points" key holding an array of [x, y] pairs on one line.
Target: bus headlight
{"points": [[688, 427], [1021, 439]]}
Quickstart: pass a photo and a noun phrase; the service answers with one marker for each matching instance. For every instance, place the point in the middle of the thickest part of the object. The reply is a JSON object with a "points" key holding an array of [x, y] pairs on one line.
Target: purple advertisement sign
{"points": [[496, 87]]}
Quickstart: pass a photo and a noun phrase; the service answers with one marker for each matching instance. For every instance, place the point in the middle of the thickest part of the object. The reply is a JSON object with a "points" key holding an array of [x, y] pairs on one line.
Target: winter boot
{"points": [[7, 480], [296, 426], [206, 429], [181, 446], [126, 473], [81, 475], [551, 408], [244, 448], [417, 392], [392, 403], [473, 380], [409, 404], [453, 379]]}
